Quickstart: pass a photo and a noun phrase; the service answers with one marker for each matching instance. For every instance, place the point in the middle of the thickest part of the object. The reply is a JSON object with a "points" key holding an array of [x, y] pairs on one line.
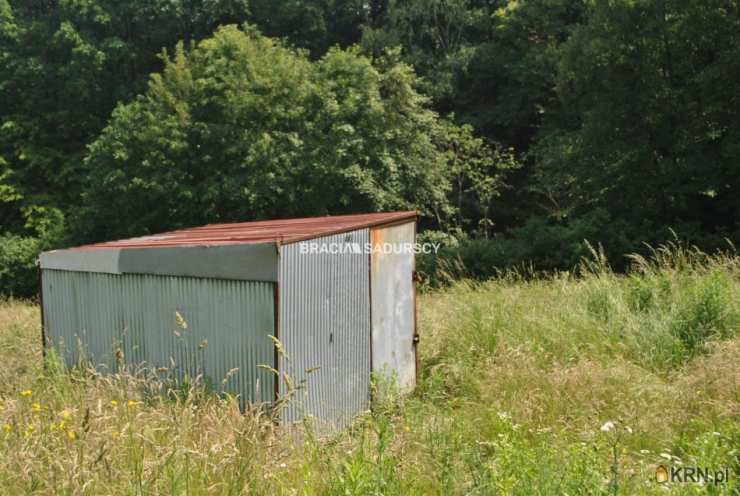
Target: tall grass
{"points": [[574, 383]]}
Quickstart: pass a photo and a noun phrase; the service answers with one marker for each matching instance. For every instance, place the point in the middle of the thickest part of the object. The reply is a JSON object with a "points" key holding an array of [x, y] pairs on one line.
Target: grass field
{"points": [[553, 385]]}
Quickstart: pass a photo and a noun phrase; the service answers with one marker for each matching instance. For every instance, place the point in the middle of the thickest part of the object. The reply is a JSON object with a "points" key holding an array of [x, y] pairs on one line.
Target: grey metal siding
{"points": [[249, 262], [324, 324], [228, 324], [393, 304]]}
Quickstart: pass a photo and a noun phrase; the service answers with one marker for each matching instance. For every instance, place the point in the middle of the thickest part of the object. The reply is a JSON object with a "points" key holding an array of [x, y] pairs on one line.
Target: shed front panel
{"points": [[324, 325], [393, 303], [227, 324]]}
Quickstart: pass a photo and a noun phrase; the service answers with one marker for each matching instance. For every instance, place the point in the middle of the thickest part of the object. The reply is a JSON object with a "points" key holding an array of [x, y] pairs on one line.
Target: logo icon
{"points": [[661, 474]]}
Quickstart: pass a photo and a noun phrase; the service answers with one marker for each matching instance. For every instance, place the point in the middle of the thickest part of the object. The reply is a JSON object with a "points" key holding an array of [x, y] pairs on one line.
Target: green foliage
{"points": [[707, 312], [241, 127], [18, 275], [316, 25], [63, 68], [43, 228], [533, 124], [541, 244], [434, 34], [523, 389], [493, 64], [476, 169], [646, 126], [370, 468], [665, 311], [617, 106]]}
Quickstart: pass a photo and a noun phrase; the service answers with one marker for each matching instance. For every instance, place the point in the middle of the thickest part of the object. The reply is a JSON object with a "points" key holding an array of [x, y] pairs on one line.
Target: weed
{"points": [[518, 375]]}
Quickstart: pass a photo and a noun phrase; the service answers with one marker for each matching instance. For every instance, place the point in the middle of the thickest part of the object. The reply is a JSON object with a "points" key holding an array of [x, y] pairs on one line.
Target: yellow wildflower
{"points": [[29, 430], [26, 392], [62, 424], [65, 414], [36, 407], [72, 435], [113, 403], [132, 403], [7, 427]]}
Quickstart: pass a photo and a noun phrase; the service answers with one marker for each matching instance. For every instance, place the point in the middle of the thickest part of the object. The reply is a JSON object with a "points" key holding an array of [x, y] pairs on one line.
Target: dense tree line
{"points": [[517, 128]]}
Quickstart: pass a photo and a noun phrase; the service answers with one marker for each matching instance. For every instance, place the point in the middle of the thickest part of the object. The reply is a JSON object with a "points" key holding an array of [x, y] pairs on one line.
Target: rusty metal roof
{"points": [[280, 231]]}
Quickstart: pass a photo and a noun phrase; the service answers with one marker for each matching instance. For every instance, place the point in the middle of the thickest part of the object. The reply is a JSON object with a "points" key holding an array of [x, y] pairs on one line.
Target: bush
{"points": [[18, 255], [707, 313], [542, 244], [546, 245], [474, 258]]}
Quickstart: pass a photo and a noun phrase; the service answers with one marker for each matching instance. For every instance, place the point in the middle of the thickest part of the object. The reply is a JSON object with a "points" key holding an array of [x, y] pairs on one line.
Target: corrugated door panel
{"points": [[324, 324], [228, 324], [393, 312]]}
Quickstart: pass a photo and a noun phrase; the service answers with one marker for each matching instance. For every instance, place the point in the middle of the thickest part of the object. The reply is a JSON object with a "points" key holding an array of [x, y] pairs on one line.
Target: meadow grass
{"points": [[572, 383]]}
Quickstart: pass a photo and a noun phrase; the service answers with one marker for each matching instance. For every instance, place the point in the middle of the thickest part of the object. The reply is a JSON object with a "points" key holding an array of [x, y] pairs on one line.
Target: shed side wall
{"points": [[228, 323], [325, 322]]}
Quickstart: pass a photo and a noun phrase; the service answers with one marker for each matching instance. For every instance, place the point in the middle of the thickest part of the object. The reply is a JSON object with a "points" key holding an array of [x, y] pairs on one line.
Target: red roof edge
{"points": [[278, 231], [408, 215]]}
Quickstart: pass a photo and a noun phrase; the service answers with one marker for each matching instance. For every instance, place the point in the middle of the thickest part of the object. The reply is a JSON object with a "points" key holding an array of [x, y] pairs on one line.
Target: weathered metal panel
{"points": [[252, 262], [325, 326], [228, 324], [393, 305], [105, 261], [282, 231]]}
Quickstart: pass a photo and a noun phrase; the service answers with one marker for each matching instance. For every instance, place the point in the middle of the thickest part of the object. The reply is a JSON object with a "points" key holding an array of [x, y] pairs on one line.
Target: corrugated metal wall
{"points": [[228, 323], [324, 322]]}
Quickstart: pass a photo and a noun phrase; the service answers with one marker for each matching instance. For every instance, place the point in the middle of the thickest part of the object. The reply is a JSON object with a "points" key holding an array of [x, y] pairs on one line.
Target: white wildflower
{"points": [[607, 426]]}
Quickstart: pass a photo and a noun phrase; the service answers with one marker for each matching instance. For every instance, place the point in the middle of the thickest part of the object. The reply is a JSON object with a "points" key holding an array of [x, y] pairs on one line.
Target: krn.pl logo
{"points": [[661, 474]]}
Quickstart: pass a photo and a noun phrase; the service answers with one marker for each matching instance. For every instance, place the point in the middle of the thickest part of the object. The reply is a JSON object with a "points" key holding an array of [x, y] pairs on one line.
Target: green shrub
{"points": [[640, 293], [600, 304], [473, 258], [707, 312], [18, 275], [542, 244]]}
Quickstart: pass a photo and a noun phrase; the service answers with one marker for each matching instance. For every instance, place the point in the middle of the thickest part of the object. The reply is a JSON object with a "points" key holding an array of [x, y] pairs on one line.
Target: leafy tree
{"points": [[622, 115], [436, 36], [648, 125], [492, 64], [476, 170], [316, 25], [242, 127], [63, 67]]}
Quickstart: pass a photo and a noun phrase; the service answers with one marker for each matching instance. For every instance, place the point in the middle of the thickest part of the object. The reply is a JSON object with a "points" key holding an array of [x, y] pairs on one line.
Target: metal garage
{"points": [[336, 291]]}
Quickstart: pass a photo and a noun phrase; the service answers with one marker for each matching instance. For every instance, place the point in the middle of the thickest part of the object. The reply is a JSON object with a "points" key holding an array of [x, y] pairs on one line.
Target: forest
{"points": [[523, 131]]}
